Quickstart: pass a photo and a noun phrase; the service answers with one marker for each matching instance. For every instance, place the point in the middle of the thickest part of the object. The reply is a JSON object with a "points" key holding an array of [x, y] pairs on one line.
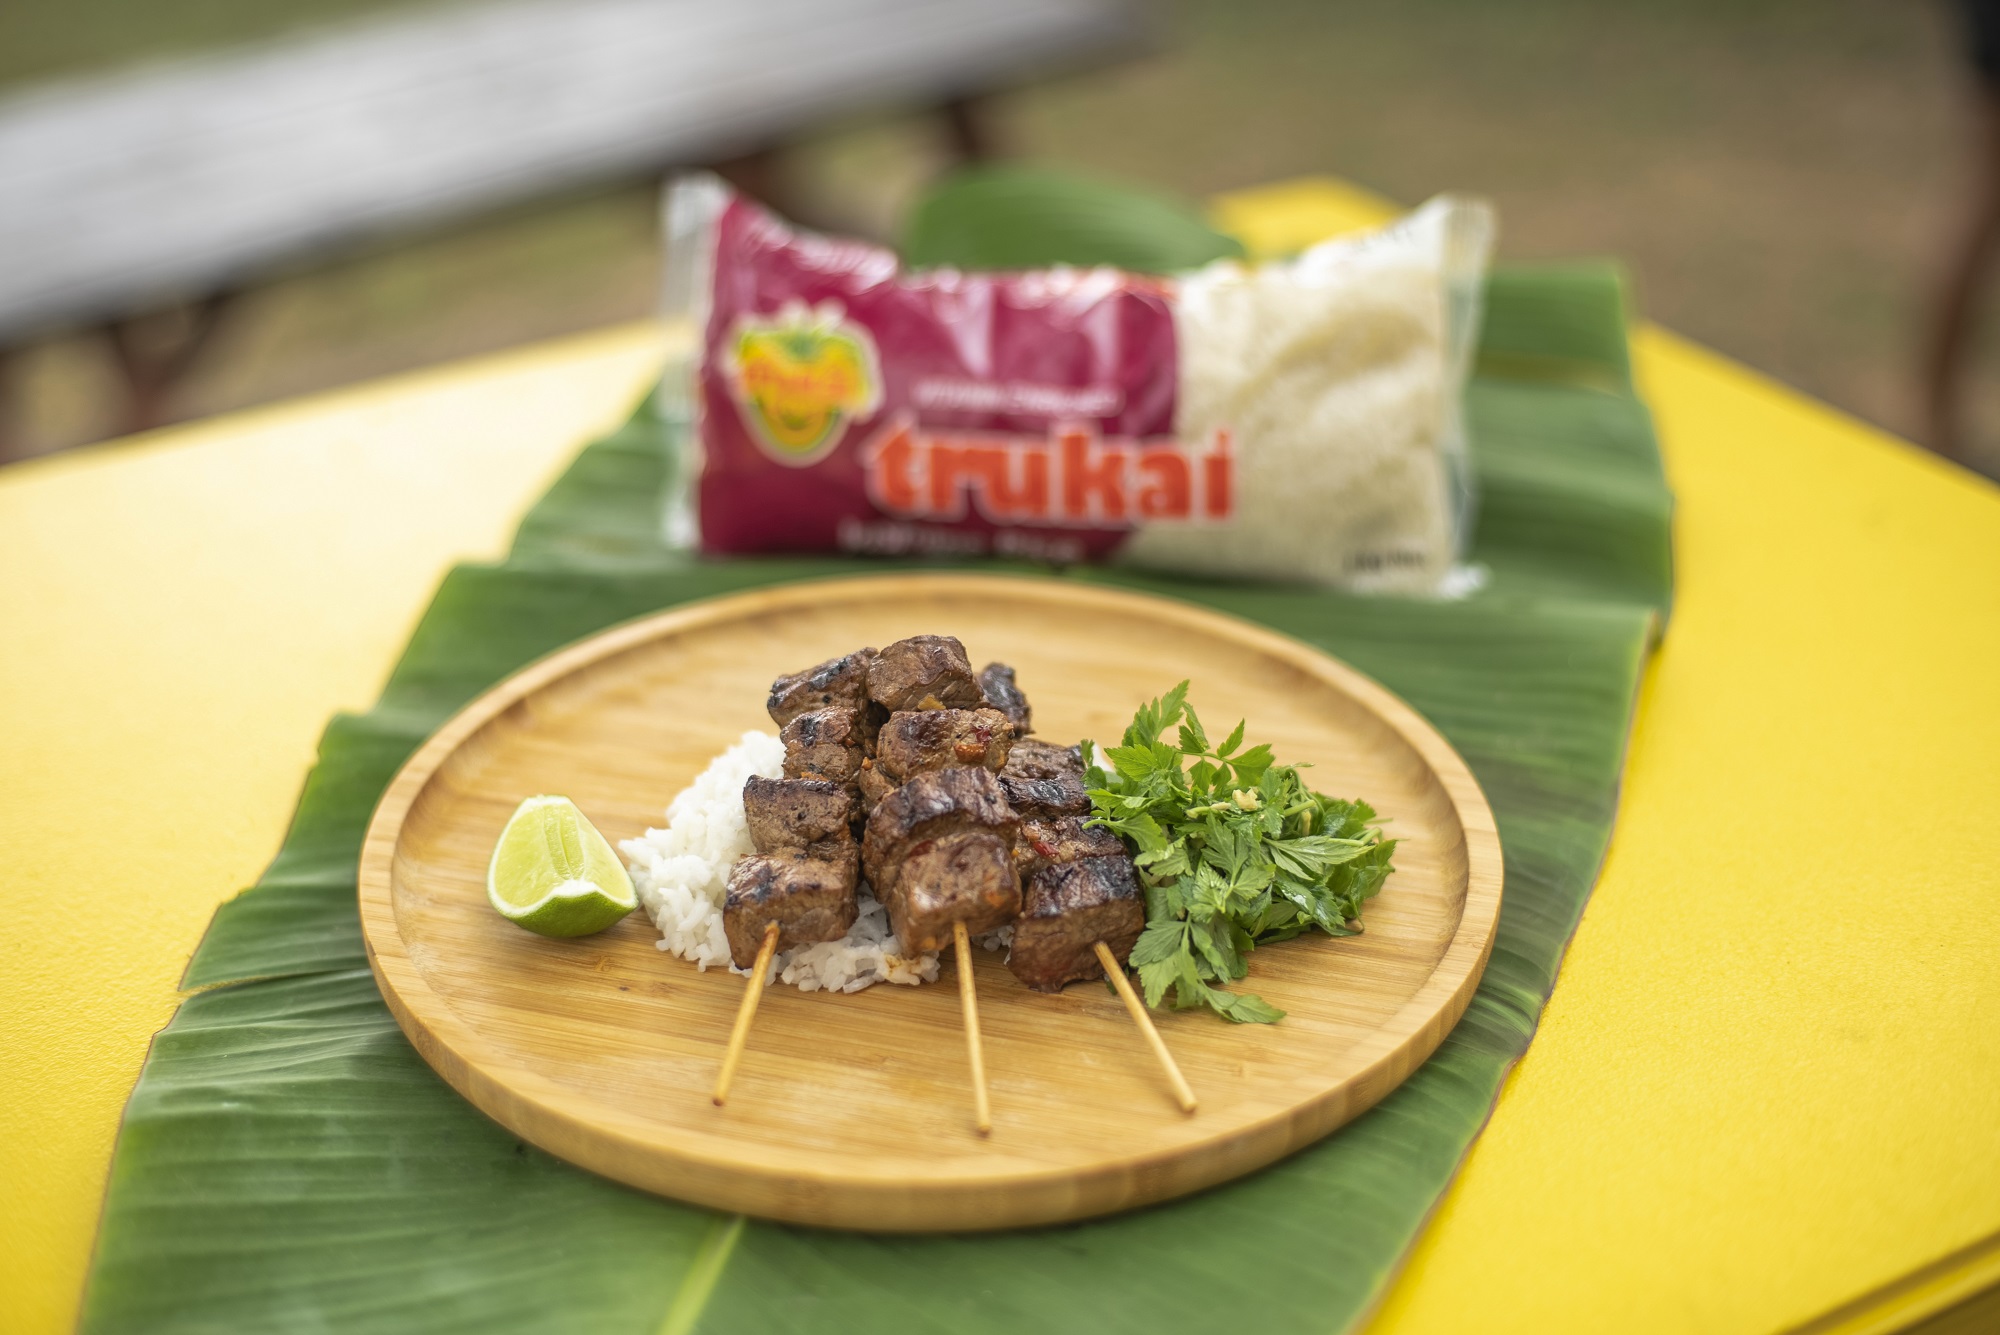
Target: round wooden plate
{"points": [[854, 1111]]}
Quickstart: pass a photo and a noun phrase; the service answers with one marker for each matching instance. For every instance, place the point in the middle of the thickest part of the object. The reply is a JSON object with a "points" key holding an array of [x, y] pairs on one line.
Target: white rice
{"points": [[682, 873], [1338, 376]]}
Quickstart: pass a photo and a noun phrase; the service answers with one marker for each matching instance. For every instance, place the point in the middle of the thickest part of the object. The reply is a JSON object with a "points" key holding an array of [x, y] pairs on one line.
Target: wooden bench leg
{"points": [[153, 366], [969, 130], [754, 174], [10, 426]]}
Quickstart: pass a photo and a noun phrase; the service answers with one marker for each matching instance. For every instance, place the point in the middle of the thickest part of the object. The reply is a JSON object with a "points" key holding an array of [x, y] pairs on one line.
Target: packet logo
{"points": [[801, 376]]}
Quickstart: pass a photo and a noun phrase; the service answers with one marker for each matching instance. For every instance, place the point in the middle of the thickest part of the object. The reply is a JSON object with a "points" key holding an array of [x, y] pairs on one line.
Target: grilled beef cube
{"points": [[810, 898], [996, 683], [1049, 841], [874, 786], [797, 815], [966, 878], [924, 672], [839, 682], [1066, 910], [1063, 795], [824, 744], [1032, 759], [930, 806], [915, 741]]}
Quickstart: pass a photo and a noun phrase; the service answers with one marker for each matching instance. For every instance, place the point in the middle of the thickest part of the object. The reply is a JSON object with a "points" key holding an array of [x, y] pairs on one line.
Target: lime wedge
{"points": [[553, 873]]}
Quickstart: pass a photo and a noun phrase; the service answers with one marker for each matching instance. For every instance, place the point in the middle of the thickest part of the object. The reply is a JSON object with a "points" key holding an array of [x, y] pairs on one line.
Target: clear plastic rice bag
{"points": [[1296, 421]]}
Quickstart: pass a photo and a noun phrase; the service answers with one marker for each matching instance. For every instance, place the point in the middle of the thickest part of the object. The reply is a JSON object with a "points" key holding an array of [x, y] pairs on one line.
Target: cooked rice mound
{"points": [[682, 874]]}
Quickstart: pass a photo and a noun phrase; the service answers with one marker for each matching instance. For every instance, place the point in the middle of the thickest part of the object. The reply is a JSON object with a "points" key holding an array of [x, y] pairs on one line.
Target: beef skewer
{"points": [[1082, 910], [939, 845], [800, 885]]}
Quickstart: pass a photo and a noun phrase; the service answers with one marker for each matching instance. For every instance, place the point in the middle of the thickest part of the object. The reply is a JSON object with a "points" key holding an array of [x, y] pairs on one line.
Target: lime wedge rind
{"points": [[554, 874]]}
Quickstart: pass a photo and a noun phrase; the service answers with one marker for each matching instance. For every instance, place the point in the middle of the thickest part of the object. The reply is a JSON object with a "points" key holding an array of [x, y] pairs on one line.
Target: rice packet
{"points": [[1297, 420]]}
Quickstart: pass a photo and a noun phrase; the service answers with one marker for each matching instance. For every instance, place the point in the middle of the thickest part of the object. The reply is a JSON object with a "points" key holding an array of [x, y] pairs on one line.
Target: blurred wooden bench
{"points": [[180, 184]]}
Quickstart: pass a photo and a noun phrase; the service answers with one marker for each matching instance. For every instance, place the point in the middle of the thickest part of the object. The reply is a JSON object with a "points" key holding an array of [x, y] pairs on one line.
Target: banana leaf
{"points": [[287, 1162], [1016, 217]]}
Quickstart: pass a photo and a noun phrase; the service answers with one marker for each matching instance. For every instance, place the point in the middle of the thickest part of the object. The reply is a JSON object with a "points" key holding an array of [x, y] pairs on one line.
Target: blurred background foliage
{"points": [[1776, 173]]}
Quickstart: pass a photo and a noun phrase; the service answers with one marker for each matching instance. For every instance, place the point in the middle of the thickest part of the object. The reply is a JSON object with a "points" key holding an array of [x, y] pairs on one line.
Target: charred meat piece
{"points": [[966, 878], [810, 898], [839, 681], [1052, 841], [1031, 759], [1065, 911], [825, 744], [797, 815], [996, 683], [930, 806], [914, 741], [923, 672], [1053, 813], [874, 786], [1063, 795]]}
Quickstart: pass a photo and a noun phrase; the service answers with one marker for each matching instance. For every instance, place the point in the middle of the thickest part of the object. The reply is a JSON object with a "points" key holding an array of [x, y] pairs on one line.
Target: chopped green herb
{"points": [[1234, 851]]}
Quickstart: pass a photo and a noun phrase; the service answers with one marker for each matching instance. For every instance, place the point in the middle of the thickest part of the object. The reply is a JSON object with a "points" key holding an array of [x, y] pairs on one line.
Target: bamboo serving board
{"points": [[854, 1111]]}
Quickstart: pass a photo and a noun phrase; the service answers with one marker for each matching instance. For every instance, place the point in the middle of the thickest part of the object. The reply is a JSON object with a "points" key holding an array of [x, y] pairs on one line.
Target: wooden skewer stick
{"points": [[969, 1002], [1116, 973], [760, 973]]}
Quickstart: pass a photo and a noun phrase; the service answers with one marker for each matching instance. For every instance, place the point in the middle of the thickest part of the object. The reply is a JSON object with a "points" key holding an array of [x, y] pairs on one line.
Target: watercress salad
{"points": [[1234, 852]]}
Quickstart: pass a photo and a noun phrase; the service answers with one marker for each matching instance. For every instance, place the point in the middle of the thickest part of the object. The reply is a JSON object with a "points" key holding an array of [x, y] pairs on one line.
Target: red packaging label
{"points": [[846, 405]]}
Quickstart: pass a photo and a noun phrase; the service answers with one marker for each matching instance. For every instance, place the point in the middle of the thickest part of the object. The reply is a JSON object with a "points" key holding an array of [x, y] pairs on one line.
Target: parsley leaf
{"points": [[1234, 852]]}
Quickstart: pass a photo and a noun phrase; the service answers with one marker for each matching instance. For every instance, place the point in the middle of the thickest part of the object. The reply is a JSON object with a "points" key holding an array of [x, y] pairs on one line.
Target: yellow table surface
{"points": [[1765, 1095]]}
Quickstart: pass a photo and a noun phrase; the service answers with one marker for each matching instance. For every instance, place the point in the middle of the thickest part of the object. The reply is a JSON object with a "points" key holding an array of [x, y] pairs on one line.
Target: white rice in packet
{"points": [[1296, 421]]}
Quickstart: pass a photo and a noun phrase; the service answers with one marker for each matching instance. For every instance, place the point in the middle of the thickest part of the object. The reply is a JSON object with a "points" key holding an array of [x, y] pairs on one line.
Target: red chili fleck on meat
{"points": [[1044, 847]]}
